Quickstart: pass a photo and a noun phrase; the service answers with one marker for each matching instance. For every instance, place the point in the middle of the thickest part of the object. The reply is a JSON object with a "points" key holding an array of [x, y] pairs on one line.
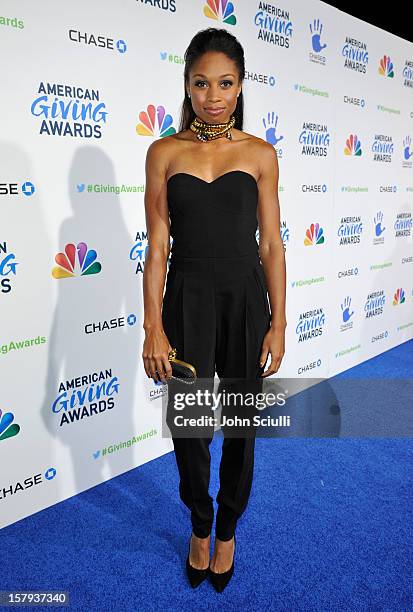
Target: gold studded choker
{"points": [[209, 131]]}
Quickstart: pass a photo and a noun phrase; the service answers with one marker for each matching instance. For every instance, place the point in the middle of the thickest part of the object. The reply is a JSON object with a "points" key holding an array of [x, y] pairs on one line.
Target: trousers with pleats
{"points": [[215, 313]]}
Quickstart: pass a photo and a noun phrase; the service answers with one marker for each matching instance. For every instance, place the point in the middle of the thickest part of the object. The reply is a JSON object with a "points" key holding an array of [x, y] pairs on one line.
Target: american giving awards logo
{"points": [[86, 260], [356, 55], [382, 148], [85, 396], [310, 324], [8, 265], [146, 125], [273, 24], [315, 139], [66, 110]]}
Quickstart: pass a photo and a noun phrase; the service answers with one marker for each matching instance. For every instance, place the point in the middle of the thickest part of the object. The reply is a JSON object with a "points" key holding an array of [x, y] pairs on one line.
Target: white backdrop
{"points": [[86, 87]]}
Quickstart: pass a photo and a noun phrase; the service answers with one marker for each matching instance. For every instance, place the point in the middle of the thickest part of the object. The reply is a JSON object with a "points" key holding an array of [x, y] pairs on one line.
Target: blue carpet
{"points": [[328, 527]]}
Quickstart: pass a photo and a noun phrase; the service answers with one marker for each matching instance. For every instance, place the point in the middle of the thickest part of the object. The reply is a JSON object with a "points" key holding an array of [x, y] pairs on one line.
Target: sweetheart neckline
{"points": [[215, 179]]}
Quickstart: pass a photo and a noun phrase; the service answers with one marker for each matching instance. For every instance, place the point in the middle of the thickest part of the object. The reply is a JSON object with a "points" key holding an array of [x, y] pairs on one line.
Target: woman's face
{"points": [[213, 84]]}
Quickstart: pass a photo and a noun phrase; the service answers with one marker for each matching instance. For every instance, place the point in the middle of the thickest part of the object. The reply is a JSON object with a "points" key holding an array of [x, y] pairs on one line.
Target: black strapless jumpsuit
{"points": [[215, 313]]}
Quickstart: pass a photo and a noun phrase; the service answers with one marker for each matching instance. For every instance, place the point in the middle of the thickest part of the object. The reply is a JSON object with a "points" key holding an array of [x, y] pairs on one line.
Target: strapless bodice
{"points": [[213, 219]]}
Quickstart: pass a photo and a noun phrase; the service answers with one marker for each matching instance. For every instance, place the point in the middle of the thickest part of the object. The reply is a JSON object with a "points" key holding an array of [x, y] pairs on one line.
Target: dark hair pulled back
{"points": [[212, 39]]}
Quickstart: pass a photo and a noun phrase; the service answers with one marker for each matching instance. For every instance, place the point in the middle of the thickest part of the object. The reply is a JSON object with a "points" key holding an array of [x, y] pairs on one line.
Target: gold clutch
{"points": [[181, 370]]}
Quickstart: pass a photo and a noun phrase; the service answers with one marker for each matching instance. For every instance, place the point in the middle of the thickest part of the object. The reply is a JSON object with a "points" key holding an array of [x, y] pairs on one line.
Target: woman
{"points": [[213, 180]]}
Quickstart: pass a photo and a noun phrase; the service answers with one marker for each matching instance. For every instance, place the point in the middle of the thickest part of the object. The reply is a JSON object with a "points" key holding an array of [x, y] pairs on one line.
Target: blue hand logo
{"points": [[406, 151], [345, 307], [317, 28], [270, 127], [377, 223]]}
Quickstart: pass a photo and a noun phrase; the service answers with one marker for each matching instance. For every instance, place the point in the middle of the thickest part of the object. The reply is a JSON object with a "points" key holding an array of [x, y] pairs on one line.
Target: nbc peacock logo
{"points": [[353, 146], [86, 260], [386, 66], [148, 119], [216, 8], [398, 298], [8, 429], [314, 235]]}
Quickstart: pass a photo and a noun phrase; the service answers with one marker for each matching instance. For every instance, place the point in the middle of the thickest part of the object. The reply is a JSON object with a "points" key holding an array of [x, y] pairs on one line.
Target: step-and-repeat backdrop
{"points": [[86, 87]]}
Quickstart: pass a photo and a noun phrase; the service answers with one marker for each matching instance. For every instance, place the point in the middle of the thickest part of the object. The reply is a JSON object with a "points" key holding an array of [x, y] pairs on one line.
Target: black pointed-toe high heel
{"points": [[195, 576], [220, 581]]}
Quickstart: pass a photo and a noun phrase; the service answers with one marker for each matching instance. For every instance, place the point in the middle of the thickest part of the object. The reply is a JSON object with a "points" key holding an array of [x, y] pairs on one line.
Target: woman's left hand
{"points": [[274, 343]]}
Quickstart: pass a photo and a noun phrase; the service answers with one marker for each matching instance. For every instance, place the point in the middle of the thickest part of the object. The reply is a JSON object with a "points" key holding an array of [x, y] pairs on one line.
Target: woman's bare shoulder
{"points": [[252, 139], [167, 147], [159, 154]]}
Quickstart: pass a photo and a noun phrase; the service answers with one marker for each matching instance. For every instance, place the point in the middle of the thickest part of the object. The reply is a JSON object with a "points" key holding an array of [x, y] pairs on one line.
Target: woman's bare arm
{"points": [[272, 255], [156, 345]]}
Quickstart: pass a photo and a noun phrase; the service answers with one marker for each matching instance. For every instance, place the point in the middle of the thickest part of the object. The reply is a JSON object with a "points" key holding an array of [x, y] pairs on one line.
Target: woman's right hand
{"points": [[155, 353]]}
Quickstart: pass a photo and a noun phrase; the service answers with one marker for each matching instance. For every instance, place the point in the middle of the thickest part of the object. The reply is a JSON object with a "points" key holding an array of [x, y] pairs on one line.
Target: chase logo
{"points": [[147, 122], [354, 101], [50, 473], [121, 46], [8, 429], [398, 298], [97, 41], [216, 8], [347, 273], [353, 146], [346, 315], [314, 235], [28, 188], [386, 67], [380, 336], [115, 323], [314, 188], [274, 25], [66, 261]]}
